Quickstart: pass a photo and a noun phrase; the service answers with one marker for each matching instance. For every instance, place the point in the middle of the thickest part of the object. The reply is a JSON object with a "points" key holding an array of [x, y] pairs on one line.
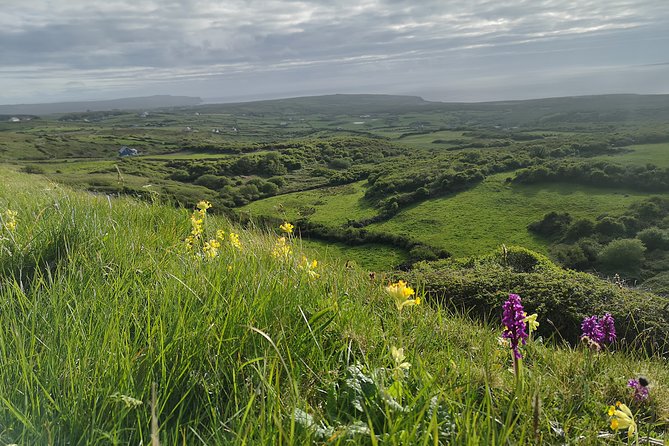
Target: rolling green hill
{"points": [[409, 174]]}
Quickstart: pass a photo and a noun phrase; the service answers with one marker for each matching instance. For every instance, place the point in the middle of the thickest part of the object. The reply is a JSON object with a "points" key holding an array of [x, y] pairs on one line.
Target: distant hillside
{"points": [[147, 102], [548, 112], [335, 104], [572, 109]]}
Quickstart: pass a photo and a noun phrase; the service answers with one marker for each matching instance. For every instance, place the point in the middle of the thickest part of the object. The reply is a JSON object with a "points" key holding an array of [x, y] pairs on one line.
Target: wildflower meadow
{"points": [[126, 322]]}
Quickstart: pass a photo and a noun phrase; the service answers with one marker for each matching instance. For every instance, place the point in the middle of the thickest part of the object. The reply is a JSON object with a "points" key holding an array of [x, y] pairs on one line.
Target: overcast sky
{"points": [[450, 50]]}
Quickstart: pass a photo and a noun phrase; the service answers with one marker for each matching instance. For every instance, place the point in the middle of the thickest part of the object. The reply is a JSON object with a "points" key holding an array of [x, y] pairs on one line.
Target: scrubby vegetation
{"points": [[634, 243]]}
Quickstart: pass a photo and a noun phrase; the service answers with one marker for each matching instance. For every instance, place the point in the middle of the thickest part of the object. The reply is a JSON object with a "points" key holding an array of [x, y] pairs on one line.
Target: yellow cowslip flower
{"points": [[287, 227], [400, 292], [220, 235], [210, 248], [531, 321], [189, 241], [281, 248], [196, 224], [622, 418], [398, 357], [203, 205], [400, 364], [309, 267], [9, 220], [234, 240]]}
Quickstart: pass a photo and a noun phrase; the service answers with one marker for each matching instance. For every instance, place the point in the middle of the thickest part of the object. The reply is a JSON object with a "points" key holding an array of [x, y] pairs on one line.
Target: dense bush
{"points": [[552, 225], [580, 228], [610, 227], [32, 168], [658, 284], [561, 298], [213, 182], [622, 254], [654, 238], [570, 256]]}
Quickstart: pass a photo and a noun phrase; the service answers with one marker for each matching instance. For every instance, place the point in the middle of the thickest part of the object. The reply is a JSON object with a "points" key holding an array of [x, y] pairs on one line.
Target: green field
{"points": [[332, 206], [370, 256], [495, 213], [657, 154], [442, 138]]}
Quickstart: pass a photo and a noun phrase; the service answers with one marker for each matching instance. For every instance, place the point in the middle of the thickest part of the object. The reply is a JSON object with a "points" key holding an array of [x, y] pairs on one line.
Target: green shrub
{"points": [[654, 238], [610, 227], [580, 228], [658, 284], [625, 254], [552, 225], [213, 182], [570, 256], [31, 168]]}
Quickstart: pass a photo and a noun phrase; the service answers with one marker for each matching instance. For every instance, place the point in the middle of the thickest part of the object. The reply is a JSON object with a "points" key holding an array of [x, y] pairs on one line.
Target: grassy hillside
{"points": [[113, 331]]}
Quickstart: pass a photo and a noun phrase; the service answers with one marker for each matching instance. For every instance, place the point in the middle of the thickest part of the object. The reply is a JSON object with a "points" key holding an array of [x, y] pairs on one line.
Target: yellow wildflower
{"points": [[400, 364], [190, 240], [211, 247], [622, 418], [9, 220], [281, 248], [234, 240], [287, 227], [203, 205], [196, 224], [400, 292], [531, 321], [398, 357], [309, 267], [220, 235]]}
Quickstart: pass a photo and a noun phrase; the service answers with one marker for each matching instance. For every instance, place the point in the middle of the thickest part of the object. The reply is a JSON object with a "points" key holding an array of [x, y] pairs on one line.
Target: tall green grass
{"points": [[99, 300]]}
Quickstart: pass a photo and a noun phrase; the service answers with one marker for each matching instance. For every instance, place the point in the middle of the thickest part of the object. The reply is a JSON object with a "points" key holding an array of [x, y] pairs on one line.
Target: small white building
{"points": [[127, 151]]}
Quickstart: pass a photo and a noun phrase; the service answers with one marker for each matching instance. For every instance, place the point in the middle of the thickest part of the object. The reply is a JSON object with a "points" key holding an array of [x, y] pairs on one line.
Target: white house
{"points": [[127, 151]]}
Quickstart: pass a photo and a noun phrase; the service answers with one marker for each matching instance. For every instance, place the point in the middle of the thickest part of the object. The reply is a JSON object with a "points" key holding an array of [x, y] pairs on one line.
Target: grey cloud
{"points": [[124, 43]]}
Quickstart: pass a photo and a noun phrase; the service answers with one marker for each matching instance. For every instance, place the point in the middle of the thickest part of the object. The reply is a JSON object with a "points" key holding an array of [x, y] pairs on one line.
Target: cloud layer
{"points": [[443, 49]]}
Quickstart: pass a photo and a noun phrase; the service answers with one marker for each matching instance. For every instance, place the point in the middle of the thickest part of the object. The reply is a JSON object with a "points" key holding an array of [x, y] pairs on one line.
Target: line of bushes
{"points": [[562, 298], [601, 173]]}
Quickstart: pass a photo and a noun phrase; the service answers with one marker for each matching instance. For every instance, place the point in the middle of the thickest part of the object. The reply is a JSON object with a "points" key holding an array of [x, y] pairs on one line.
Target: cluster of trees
{"points": [[239, 180], [267, 164], [653, 136], [600, 173], [635, 243], [253, 176]]}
